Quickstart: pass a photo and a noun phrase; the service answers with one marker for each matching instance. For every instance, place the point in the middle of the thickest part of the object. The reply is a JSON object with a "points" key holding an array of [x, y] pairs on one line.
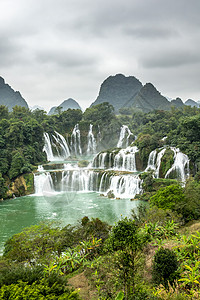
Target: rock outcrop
{"points": [[9, 97]]}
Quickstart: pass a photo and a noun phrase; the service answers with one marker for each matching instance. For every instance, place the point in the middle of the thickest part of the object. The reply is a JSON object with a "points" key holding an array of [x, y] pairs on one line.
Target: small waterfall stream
{"points": [[92, 145], [56, 147], [124, 136], [76, 141], [151, 165]]}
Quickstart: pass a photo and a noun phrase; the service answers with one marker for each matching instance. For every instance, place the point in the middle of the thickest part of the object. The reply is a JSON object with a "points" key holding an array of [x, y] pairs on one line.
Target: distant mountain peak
{"points": [[9, 97], [65, 105], [117, 90], [192, 103]]}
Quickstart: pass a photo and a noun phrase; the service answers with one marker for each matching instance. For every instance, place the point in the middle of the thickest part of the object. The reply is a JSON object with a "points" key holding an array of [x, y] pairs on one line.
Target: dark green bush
{"points": [[165, 266]]}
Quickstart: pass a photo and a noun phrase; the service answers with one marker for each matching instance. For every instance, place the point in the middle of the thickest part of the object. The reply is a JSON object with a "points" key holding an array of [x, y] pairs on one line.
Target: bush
{"points": [[38, 290], [165, 267], [168, 197]]}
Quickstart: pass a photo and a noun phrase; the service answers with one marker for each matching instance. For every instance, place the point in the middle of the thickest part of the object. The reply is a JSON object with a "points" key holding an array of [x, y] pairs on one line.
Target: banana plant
{"points": [[191, 276]]}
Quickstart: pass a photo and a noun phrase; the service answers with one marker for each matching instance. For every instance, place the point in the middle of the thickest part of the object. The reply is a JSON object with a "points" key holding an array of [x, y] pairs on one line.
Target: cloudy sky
{"points": [[53, 50]]}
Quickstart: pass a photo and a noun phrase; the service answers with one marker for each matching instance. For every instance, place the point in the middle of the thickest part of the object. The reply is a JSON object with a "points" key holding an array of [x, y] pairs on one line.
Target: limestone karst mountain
{"points": [[122, 92], [192, 103], [177, 102], [149, 98], [9, 97], [118, 90], [65, 105]]}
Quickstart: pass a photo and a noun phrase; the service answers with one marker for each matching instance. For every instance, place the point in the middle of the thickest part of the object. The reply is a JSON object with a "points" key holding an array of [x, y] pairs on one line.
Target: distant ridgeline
{"points": [[125, 92], [9, 97]]}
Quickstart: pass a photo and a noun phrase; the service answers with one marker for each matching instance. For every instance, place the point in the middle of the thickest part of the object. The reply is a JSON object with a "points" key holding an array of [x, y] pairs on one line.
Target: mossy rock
{"points": [[83, 163], [21, 186]]}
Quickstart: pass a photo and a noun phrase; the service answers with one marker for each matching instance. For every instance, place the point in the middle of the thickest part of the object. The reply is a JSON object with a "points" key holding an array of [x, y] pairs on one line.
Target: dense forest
{"points": [[154, 254]]}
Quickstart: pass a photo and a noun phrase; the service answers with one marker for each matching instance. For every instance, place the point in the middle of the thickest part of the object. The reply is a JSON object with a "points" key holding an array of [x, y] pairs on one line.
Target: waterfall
{"points": [[181, 162], [58, 143], [76, 141], [42, 182], [83, 180], [47, 147], [122, 136], [158, 162], [125, 159], [91, 148], [151, 161], [80, 180], [40, 168], [125, 186]]}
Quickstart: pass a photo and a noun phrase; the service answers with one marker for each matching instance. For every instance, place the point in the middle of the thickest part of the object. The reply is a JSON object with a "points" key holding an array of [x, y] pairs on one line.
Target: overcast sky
{"points": [[51, 50]]}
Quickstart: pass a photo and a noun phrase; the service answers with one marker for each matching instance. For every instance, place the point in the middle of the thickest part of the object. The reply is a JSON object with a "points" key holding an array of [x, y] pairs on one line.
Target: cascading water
{"points": [[76, 141], [125, 186], [180, 165], [92, 145], [56, 144], [42, 182], [151, 165], [123, 138], [125, 159], [158, 162], [48, 147], [61, 146]]}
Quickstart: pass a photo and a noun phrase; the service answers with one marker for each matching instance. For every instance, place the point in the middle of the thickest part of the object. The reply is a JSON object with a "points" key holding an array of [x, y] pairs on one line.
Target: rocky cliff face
{"points": [[21, 186], [118, 90], [9, 97], [65, 105]]}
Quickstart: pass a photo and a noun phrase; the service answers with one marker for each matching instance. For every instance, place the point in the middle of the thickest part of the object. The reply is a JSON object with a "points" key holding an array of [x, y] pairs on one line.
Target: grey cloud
{"points": [[171, 59], [65, 58], [152, 33], [80, 43]]}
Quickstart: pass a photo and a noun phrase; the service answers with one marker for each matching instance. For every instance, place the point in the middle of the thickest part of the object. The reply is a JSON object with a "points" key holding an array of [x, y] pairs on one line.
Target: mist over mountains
{"points": [[120, 91]]}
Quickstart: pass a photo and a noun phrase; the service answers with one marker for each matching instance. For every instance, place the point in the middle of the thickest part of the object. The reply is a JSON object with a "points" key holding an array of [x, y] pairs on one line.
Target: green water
{"points": [[22, 212]]}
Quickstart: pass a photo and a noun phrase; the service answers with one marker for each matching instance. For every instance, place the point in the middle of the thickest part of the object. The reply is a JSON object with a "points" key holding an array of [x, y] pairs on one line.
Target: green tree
{"points": [[128, 242], [99, 114], [3, 112], [3, 188], [35, 243]]}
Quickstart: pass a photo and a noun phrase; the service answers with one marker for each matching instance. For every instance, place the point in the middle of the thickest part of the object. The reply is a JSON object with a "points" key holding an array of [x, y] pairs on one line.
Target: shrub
{"points": [[165, 267]]}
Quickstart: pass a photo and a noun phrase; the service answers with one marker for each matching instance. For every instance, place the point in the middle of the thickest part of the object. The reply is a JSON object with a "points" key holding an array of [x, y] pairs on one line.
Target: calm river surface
{"points": [[22, 212]]}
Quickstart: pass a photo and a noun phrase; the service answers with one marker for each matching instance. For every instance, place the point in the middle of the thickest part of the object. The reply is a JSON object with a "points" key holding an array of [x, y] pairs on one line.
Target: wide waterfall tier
{"points": [[56, 147], [83, 180], [178, 170], [122, 160], [76, 141], [92, 145], [124, 137]]}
